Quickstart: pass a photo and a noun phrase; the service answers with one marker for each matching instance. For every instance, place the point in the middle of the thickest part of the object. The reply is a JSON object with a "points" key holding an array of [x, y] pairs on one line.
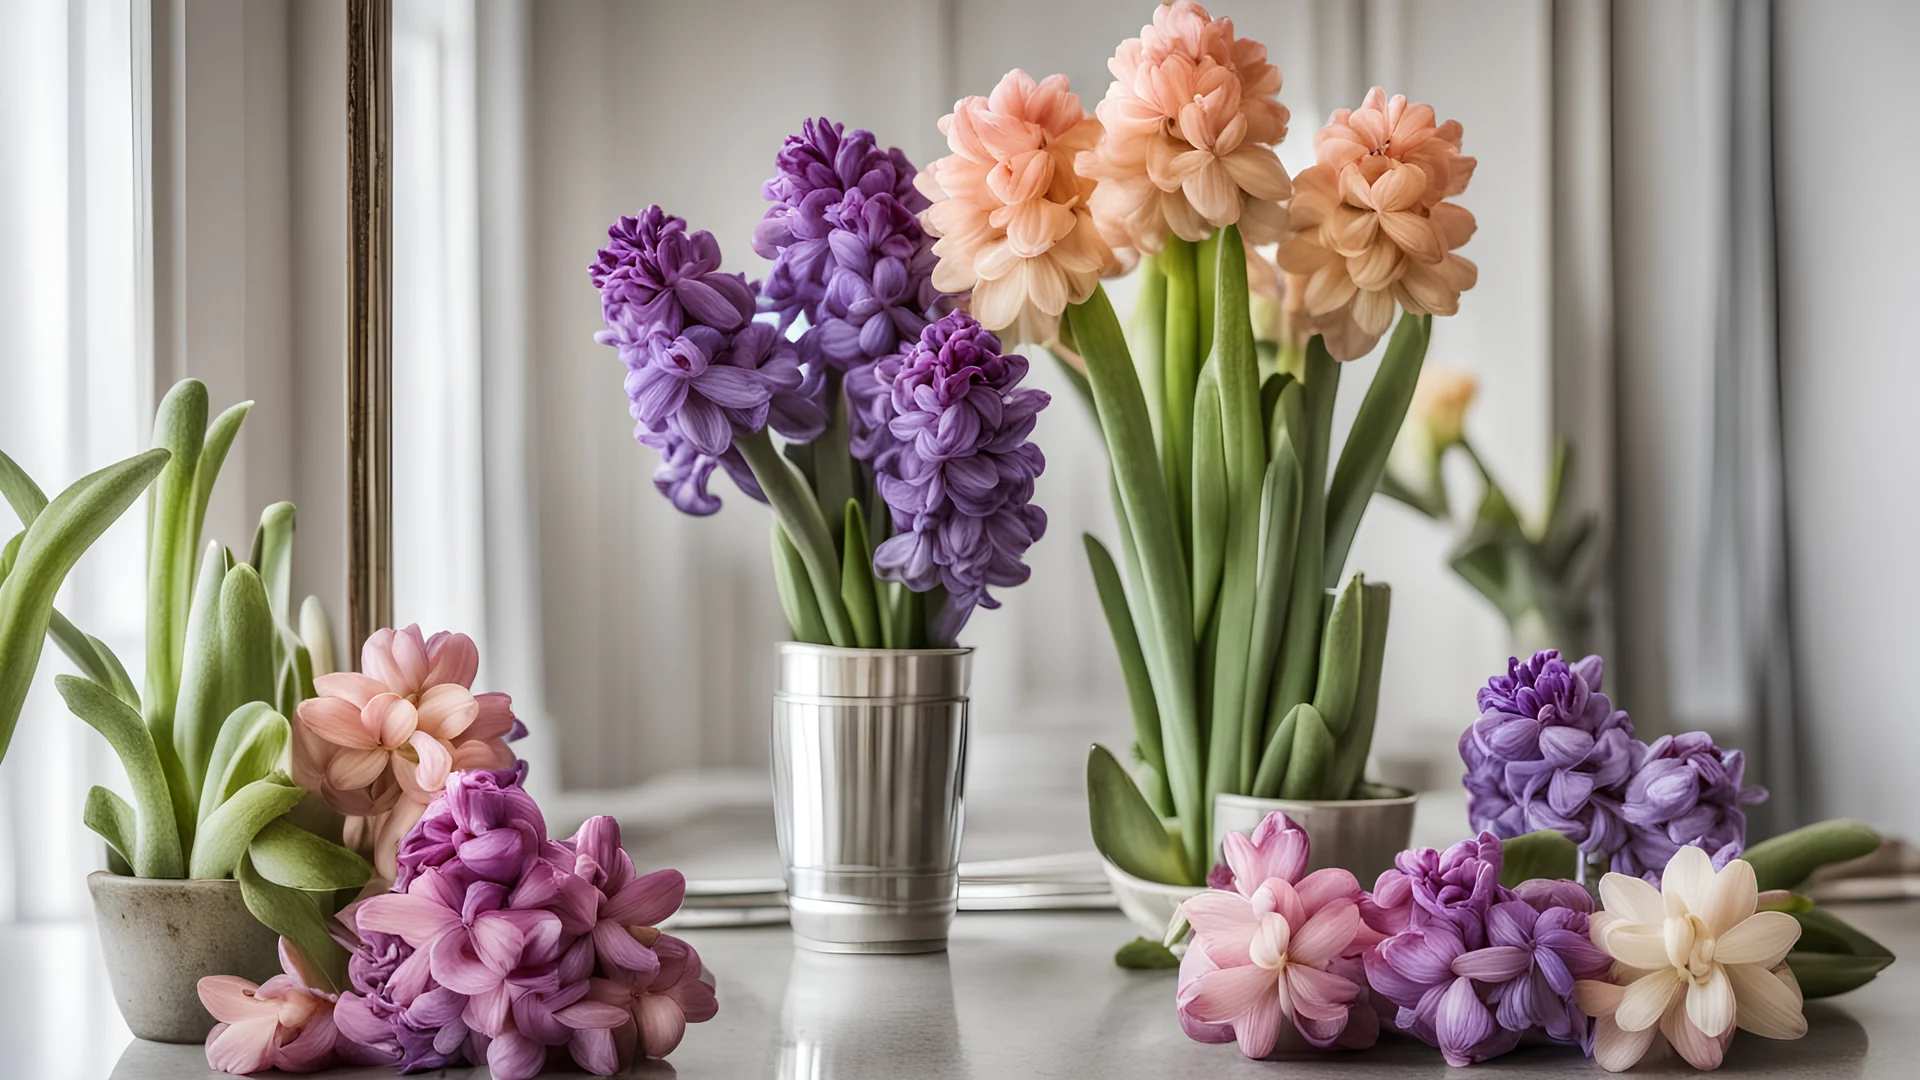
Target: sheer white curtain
{"points": [[73, 396]]}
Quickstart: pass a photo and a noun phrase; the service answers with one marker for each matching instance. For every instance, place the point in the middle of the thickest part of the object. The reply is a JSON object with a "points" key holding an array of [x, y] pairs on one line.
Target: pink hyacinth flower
{"points": [[1277, 849], [283, 1024], [659, 1005]]}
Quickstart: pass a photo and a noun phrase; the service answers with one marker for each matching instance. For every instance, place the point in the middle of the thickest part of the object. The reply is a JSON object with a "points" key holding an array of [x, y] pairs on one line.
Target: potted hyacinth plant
{"points": [[890, 437], [1252, 661], [216, 858]]}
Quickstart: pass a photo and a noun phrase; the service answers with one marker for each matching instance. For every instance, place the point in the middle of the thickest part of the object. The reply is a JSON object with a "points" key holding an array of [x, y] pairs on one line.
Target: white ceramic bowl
{"points": [[1148, 903]]}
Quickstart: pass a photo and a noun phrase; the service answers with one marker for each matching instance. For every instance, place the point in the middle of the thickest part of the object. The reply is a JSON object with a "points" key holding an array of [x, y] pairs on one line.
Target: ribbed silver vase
{"points": [[869, 776]]}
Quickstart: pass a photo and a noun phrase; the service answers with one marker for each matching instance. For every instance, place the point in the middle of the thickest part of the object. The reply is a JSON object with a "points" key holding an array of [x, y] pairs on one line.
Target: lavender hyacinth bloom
{"points": [[1418, 970], [1537, 946], [1549, 752], [655, 276], [960, 479], [397, 1018], [1684, 790], [683, 473], [1455, 887], [484, 822]]}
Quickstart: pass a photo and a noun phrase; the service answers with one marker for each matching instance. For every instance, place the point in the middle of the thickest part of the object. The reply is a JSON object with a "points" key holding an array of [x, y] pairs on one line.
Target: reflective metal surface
{"points": [[869, 769], [1361, 835]]}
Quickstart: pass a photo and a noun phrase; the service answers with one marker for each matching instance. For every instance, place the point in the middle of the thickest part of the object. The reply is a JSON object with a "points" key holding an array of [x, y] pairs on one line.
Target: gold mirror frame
{"points": [[369, 320]]}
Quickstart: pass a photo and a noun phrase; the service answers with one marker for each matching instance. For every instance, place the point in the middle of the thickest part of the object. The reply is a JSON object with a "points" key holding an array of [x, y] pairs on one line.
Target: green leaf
{"points": [[1543, 854], [1376, 602], [1147, 342], [202, 703], [1791, 858], [297, 916], [1822, 975], [247, 634], [1145, 954], [251, 745], [1125, 828], [1364, 457], [180, 426], [832, 464], [1789, 902], [109, 815], [47, 550], [796, 592], [157, 838], [224, 837], [20, 491], [316, 633], [793, 503], [1133, 663], [272, 559], [1209, 487], [218, 439], [1075, 377], [1339, 680], [92, 657], [1181, 374], [1163, 598], [1279, 530], [1823, 925], [1313, 752], [1278, 755], [288, 855], [856, 579], [1300, 640], [1206, 265]]}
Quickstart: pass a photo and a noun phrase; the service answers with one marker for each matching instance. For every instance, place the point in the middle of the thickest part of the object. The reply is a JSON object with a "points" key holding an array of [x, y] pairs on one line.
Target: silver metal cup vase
{"points": [[869, 777], [1360, 835]]}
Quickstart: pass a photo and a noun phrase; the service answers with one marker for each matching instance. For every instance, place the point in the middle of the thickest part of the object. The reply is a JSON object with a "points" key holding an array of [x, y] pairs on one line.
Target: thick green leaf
{"points": [[108, 814], [1822, 925], [1312, 762], [286, 854], [1133, 663], [1375, 605], [1278, 755], [1364, 457], [47, 551], [272, 558], [157, 838], [832, 464], [1822, 975], [1148, 342], [1300, 641], [796, 592], [1180, 373], [226, 834], [856, 579], [1163, 607], [1338, 684], [1125, 828], [297, 916], [252, 744], [218, 440], [1209, 487], [1790, 858], [247, 634], [1543, 854], [20, 491], [316, 633], [202, 704], [1279, 530], [180, 427], [92, 657], [1146, 954], [793, 503]]}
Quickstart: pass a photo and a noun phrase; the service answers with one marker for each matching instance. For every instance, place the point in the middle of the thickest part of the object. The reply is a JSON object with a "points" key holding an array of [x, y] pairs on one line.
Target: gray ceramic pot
{"points": [[1361, 835], [159, 936]]}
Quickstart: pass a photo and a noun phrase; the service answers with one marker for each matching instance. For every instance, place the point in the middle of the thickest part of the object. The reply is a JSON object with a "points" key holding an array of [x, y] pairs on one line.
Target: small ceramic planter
{"points": [[1361, 835], [1148, 903], [160, 936]]}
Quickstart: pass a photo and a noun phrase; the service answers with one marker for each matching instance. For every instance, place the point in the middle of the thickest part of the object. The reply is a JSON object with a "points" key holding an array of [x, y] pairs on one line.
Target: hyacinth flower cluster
{"points": [[851, 292], [1549, 751], [498, 946], [1471, 966]]}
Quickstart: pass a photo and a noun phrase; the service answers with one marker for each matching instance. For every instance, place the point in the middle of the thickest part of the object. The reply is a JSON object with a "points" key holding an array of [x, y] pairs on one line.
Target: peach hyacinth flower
{"points": [[1692, 961], [1191, 119], [1009, 211], [1373, 227], [285, 1023], [378, 744]]}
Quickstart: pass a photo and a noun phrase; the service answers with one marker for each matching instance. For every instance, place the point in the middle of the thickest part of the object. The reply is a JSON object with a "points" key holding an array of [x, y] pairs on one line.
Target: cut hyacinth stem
{"points": [[832, 463], [1133, 664], [1148, 343], [856, 580], [806, 526], [1209, 486], [1364, 456], [1279, 529], [1300, 641], [1338, 683], [796, 593], [1162, 591], [1234, 368], [1181, 372], [1350, 763]]}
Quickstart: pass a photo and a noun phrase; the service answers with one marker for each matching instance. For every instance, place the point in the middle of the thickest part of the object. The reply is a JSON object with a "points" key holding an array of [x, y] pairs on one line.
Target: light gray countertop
{"points": [[1017, 995]]}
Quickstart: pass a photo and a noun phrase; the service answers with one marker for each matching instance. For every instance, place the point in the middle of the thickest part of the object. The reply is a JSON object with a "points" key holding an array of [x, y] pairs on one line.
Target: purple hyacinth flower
{"points": [[691, 383], [1455, 887], [1684, 791], [395, 1015], [655, 276], [960, 475], [1441, 1006], [1549, 752], [1537, 946], [879, 281], [683, 472], [484, 824]]}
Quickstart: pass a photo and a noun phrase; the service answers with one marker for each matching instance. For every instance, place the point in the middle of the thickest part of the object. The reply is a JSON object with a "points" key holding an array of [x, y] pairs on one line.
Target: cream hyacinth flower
{"points": [[1692, 961], [1373, 227], [1191, 119], [1010, 213]]}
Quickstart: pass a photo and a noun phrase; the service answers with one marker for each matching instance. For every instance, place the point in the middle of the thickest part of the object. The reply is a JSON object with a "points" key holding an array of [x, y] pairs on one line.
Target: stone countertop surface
{"points": [[1016, 995]]}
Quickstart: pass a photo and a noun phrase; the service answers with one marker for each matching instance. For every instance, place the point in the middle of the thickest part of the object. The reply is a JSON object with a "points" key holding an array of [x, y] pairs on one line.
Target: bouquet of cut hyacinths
{"points": [[1252, 662], [902, 484]]}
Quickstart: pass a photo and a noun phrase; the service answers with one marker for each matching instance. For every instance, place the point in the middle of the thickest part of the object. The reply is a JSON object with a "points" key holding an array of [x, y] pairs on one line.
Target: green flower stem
{"points": [[1181, 372], [1148, 342], [806, 526], [832, 463], [1364, 457]]}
